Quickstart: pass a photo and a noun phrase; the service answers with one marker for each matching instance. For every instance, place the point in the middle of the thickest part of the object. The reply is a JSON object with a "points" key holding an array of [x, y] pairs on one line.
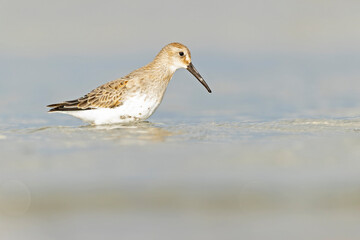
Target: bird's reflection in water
{"points": [[139, 133]]}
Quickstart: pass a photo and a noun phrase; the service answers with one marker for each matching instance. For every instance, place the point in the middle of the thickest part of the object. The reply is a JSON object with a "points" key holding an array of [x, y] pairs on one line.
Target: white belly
{"points": [[133, 109]]}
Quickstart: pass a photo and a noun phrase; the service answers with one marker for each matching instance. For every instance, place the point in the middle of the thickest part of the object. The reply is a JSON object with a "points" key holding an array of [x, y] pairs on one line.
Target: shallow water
{"points": [[204, 180], [273, 153]]}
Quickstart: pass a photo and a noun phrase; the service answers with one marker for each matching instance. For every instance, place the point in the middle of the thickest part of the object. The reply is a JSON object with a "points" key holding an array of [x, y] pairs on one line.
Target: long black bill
{"points": [[194, 72]]}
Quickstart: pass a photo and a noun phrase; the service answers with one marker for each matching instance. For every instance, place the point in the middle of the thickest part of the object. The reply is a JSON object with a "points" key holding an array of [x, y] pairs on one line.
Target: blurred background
{"points": [[272, 153]]}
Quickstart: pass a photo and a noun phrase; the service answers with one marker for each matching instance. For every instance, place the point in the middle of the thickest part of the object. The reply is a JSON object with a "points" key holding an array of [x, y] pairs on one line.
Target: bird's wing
{"points": [[109, 95]]}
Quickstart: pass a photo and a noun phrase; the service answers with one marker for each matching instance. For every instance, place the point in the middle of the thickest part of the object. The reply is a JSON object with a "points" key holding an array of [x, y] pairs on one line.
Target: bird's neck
{"points": [[161, 69]]}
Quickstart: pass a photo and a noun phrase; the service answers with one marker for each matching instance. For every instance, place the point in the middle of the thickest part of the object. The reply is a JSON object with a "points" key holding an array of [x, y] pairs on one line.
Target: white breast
{"points": [[136, 108]]}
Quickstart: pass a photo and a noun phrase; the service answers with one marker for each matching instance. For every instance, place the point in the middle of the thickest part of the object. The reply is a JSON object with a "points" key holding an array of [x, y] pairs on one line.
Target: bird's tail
{"points": [[66, 106]]}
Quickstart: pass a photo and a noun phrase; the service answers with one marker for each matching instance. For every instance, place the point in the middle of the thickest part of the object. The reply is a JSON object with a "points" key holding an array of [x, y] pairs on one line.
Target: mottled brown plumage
{"points": [[108, 95], [135, 96]]}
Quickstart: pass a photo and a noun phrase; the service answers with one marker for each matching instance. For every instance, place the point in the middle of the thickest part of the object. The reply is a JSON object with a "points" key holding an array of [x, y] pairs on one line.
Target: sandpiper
{"points": [[133, 97]]}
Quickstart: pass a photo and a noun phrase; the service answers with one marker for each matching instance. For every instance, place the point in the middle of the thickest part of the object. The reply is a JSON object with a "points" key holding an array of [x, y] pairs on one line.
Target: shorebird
{"points": [[134, 97]]}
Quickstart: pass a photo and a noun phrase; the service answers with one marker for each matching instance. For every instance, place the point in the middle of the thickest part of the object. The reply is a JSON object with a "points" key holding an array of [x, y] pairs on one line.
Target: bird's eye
{"points": [[181, 53]]}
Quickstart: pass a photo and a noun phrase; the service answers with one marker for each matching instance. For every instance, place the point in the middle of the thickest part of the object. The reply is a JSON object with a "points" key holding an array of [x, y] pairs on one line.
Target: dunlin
{"points": [[133, 97]]}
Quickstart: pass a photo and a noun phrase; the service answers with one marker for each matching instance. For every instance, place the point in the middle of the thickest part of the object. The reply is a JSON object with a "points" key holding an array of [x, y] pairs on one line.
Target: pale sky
{"points": [[98, 27]]}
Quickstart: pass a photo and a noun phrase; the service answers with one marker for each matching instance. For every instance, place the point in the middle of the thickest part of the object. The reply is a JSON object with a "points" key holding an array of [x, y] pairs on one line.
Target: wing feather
{"points": [[108, 95]]}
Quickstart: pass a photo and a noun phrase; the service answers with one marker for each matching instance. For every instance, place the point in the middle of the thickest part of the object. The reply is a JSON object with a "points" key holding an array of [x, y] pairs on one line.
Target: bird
{"points": [[134, 97]]}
